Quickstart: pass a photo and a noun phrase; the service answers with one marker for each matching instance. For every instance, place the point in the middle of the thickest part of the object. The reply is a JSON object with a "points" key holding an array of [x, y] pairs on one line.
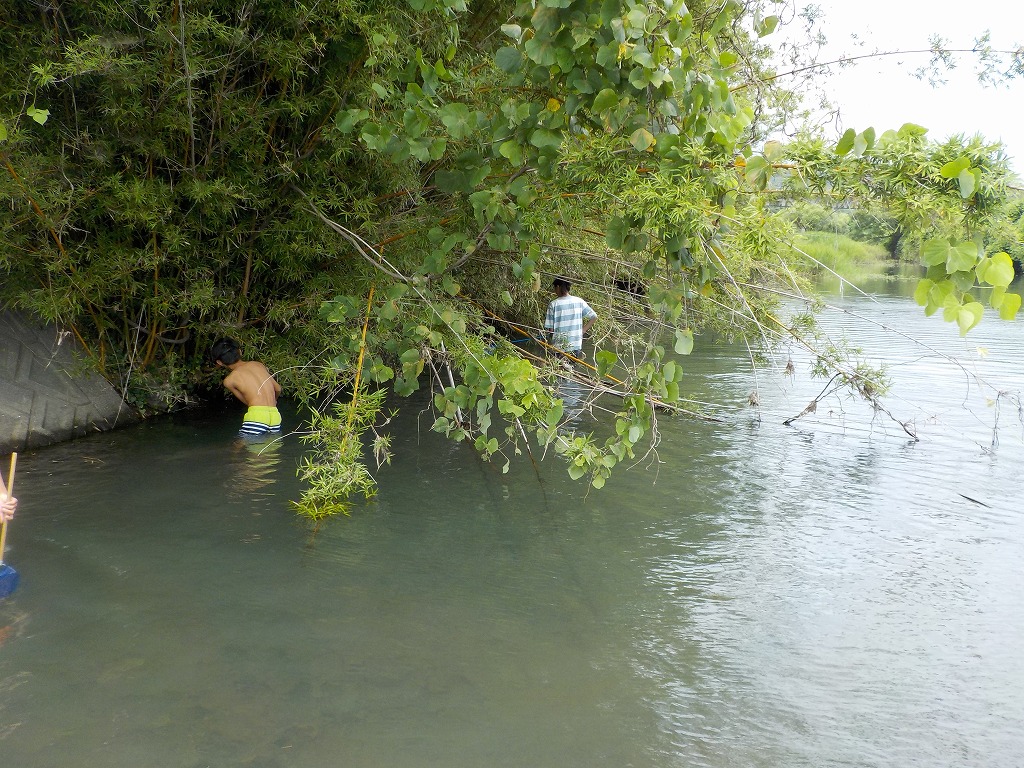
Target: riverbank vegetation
{"points": [[831, 253], [387, 189]]}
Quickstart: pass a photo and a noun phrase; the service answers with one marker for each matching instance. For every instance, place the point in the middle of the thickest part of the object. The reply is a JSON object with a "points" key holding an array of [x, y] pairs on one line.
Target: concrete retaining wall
{"points": [[47, 393]]}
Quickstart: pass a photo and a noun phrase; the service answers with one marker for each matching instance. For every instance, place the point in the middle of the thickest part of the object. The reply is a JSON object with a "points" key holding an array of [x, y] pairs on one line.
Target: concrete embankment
{"points": [[48, 393]]}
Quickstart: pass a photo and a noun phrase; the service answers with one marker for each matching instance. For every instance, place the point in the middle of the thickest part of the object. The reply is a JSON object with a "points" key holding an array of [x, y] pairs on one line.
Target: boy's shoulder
{"points": [[253, 367]]}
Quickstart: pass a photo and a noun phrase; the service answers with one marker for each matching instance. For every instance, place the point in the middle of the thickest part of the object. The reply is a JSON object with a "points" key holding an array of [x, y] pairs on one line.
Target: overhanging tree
{"points": [[380, 190]]}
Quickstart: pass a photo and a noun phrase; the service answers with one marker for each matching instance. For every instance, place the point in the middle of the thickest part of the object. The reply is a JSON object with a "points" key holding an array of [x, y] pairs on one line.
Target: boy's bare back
{"points": [[252, 383]]}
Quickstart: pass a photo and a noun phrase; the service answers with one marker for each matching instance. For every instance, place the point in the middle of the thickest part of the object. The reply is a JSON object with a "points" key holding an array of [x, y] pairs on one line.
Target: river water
{"points": [[830, 593]]}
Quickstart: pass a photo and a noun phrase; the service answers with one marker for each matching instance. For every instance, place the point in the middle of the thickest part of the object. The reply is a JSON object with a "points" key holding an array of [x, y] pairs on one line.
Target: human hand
{"points": [[7, 506]]}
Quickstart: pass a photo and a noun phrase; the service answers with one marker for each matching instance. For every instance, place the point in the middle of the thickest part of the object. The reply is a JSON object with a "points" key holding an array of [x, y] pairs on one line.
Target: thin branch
{"points": [[848, 59], [364, 249]]}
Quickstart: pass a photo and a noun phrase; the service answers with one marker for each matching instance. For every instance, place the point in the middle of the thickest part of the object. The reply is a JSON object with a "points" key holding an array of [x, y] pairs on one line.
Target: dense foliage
{"points": [[385, 189]]}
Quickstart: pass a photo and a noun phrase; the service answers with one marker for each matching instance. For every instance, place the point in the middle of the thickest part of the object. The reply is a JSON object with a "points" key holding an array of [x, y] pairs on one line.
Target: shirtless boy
{"points": [[252, 383]]}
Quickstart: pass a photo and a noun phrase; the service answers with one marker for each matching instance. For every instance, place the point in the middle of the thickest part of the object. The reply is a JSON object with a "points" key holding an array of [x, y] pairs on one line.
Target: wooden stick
{"points": [[10, 492]]}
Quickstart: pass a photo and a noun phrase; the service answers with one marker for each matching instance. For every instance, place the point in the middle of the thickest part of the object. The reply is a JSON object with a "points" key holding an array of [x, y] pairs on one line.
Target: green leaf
{"points": [[908, 130], [508, 59], [457, 118], [397, 291], [938, 296], [954, 168], [512, 151], [951, 308], [863, 141], [605, 360], [541, 50], [542, 138], [615, 232], [767, 26], [452, 181], [421, 148], [968, 182], [963, 281], [1009, 306], [554, 414], [935, 251], [512, 30], [922, 290], [969, 316], [598, 482], [608, 56], [346, 121], [773, 150], [642, 139], [382, 373], [375, 137], [846, 142], [962, 257], [39, 115], [999, 270], [576, 472], [684, 342], [606, 99], [756, 170], [3, 132], [610, 9], [507, 407], [634, 433]]}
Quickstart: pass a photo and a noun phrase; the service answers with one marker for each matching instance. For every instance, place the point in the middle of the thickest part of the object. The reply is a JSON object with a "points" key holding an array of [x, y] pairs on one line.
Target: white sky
{"points": [[882, 93]]}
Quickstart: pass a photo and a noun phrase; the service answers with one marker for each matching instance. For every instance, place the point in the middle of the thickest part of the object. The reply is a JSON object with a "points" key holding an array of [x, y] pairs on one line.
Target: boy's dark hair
{"points": [[225, 350], [561, 282]]}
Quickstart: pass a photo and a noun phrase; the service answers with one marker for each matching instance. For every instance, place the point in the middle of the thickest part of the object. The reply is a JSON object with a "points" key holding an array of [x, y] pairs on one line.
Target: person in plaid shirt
{"points": [[567, 319]]}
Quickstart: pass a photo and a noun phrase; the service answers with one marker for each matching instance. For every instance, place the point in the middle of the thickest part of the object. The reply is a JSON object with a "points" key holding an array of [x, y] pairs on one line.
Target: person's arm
{"points": [[8, 505], [588, 319], [231, 384]]}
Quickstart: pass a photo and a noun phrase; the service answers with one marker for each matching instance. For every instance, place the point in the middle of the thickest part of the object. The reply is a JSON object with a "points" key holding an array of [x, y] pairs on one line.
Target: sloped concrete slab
{"points": [[47, 393]]}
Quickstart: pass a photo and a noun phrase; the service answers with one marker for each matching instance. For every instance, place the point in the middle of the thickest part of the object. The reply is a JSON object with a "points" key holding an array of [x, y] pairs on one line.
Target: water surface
{"points": [[830, 593]]}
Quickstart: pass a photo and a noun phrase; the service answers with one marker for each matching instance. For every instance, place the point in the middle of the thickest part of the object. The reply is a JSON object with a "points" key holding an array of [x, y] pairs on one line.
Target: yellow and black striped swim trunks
{"points": [[261, 420]]}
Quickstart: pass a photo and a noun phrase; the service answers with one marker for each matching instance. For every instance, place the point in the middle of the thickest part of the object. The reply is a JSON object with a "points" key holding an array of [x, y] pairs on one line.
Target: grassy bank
{"points": [[829, 252]]}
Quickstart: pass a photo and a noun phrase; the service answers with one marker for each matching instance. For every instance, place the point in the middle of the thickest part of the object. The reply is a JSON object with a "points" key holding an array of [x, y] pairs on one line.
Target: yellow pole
{"points": [[359, 365]]}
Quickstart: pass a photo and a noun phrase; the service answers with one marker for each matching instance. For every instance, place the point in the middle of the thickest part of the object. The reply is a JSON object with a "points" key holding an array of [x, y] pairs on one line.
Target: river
{"points": [[830, 593]]}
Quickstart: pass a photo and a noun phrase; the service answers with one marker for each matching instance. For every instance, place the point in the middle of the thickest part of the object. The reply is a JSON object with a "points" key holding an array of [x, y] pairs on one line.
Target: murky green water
{"points": [[817, 595]]}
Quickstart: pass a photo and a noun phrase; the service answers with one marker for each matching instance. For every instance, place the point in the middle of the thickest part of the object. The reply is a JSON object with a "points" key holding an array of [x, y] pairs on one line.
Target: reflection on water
{"points": [[254, 466], [824, 594]]}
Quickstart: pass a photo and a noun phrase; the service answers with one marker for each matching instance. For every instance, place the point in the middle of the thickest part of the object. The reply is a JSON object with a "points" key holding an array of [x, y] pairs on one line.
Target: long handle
{"points": [[10, 492]]}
